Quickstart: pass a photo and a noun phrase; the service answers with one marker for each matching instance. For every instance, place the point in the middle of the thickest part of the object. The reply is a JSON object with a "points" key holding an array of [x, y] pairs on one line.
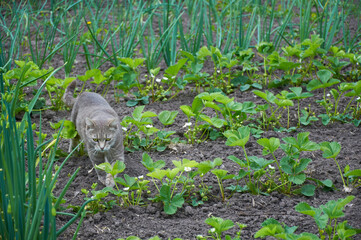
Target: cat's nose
{"points": [[102, 145]]}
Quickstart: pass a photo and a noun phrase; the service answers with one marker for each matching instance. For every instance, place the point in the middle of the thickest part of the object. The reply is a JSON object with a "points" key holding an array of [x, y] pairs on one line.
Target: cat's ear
{"points": [[112, 123], [89, 122]]}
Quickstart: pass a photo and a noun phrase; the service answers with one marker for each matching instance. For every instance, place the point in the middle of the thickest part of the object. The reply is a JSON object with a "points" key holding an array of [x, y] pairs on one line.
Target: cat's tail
{"points": [[68, 97]]}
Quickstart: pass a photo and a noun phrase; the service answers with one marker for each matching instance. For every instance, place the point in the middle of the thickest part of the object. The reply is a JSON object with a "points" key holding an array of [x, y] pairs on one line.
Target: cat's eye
{"points": [[108, 139], [95, 139]]}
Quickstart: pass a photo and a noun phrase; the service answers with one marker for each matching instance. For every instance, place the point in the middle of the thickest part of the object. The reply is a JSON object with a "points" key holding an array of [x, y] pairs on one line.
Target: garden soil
{"points": [[150, 220], [189, 221]]}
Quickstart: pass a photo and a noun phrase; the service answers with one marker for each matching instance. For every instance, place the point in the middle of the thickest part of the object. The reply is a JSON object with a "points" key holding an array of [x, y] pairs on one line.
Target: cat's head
{"points": [[102, 133]]}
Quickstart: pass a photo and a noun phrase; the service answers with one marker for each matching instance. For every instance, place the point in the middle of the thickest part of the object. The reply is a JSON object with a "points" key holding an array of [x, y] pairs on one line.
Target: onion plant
{"points": [[28, 208], [13, 32]]}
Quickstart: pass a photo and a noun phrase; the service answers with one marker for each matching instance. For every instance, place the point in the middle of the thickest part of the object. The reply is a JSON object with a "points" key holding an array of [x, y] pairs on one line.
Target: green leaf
{"points": [[305, 208], [132, 103], [274, 230], [149, 164], [234, 106], [287, 66], [327, 183], [137, 113], [68, 131], [241, 163], [334, 209], [330, 149], [353, 173], [308, 190], [265, 48], [203, 53], [218, 123], [267, 95], [187, 111], [297, 93], [98, 78], [212, 105], [302, 143], [343, 231], [117, 167], [220, 225], [239, 137], [133, 63], [128, 182], [172, 173], [269, 145], [223, 99], [171, 204], [302, 165], [167, 117], [306, 119], [89, 74], [185, 163], [105, 166], [355, 89], [173, 70], [148, 114], [258, 163], [324, 80], [157, 173], [249, 107], [325, 118], [197, 106], [298, 179], [220, 173]]}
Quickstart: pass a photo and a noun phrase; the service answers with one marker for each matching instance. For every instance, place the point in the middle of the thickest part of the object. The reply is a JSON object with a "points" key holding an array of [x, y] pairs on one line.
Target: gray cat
{"points": [[98, 126]]}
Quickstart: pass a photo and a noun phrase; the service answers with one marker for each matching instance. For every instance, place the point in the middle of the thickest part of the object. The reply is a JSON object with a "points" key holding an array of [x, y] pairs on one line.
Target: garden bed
{"points": [[231, 134], [150, 220]]}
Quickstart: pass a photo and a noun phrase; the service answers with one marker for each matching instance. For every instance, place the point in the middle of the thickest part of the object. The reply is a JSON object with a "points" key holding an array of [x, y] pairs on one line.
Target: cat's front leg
{"points": [[103, 177], [114, 157]]}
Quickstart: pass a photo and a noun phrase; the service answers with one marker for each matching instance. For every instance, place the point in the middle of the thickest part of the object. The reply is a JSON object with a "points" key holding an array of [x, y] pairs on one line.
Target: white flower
{"points": [[165, 78], [124, 129], [212, 230], [328, 94], [187, 169], [158, 80], [149, 126], [126, 189], [141, 177], [271, 167], [187, 124]]}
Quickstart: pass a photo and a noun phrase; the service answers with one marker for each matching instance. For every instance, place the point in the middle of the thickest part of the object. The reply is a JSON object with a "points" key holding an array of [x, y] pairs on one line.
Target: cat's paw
{"points": [[109, 181]]}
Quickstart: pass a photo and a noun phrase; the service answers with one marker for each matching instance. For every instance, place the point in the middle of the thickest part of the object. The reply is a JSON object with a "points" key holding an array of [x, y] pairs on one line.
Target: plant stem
{"points": [[248, 164], [220, 187], [339, 169], [288, 117], [298, 112], [279, 168], [176, 184], [156, 186], [348, 105]]}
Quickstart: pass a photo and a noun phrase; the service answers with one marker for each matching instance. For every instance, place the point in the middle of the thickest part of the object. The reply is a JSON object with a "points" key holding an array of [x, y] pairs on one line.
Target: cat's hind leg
{"points": [[73, 143]]}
